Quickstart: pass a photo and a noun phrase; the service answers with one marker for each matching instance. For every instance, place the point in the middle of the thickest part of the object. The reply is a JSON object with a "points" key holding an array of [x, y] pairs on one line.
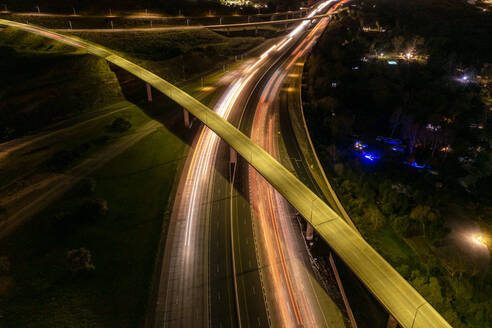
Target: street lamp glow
{"points": [[409, 55], [479, 240]]}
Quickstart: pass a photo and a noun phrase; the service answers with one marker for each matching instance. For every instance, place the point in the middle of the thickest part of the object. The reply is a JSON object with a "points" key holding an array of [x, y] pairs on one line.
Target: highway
{"points": [[294, 296], [408, 307], [197, 279]]}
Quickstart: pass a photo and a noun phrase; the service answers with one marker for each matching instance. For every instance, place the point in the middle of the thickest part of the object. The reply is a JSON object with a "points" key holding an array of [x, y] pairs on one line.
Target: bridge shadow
{"points": [[161, 108], [170, 114]]}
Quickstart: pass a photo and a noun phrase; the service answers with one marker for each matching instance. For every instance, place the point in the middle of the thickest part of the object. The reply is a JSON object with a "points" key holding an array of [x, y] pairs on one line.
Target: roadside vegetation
{"points": [[88, 257], [177, 56], [31, 96], [397, 100]]}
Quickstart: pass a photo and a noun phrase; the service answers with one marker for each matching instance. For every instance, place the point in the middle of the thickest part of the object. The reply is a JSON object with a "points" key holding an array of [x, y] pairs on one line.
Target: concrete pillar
{"points": [[149, 92], [232, 155], [186, 115], [353, 324], [309, 232], [392, 323]]}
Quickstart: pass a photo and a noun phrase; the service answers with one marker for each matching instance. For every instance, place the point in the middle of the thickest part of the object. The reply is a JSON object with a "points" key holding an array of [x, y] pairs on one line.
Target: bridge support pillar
{"points": [[149, 92], [232, 155], [392, 323], [350, 314], [309, 232], [186, 115]]}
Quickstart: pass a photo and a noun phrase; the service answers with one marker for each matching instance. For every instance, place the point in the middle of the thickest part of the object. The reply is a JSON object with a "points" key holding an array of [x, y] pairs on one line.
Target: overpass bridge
{"points": [[235, 26], [399, 298]]}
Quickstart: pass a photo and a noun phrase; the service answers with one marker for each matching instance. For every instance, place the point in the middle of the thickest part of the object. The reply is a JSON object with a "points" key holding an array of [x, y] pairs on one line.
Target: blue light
{"points": [[371, 157], [398, 148], [392, 62], [389, 141], [414, 164]]}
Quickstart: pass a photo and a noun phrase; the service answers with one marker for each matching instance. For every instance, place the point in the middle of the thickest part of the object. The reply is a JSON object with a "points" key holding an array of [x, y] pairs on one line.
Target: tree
{"points": [[93, 208], [80, 260], [4, 265], [3, 212], [395, 120], [397, 42], [121, 125], [411, 132], [87, 186]]}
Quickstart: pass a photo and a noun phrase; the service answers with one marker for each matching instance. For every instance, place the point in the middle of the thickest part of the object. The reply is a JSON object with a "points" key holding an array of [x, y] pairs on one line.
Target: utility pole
{"points": [[70, 24]]}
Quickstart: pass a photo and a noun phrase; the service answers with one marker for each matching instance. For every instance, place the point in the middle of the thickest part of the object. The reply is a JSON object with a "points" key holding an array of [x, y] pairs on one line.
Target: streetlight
{"points": [[479, 240]]}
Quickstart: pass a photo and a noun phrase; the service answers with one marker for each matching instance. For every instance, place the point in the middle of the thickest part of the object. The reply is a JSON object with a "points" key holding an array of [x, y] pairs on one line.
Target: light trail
{"points": [[207, 144], [290, 302], [196, 192], [289, 277]]}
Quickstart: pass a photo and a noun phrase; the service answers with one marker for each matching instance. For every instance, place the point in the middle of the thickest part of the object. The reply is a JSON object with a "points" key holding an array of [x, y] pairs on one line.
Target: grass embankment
{"points": [[123, 243], [176, 55], [116, 213], [35, 94]]}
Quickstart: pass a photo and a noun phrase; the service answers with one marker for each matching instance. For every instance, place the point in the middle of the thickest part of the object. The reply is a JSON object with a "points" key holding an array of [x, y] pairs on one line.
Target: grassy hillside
{"points": [[32, 70], [40, 290], [176, 55], [68, 102]]}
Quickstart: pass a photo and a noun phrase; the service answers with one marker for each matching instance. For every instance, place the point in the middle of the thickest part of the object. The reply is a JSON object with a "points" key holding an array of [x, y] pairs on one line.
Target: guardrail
{"points": [[404, 303]]}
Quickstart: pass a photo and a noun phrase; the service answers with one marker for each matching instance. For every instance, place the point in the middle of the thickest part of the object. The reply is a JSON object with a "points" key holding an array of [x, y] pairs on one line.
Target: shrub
{"points": [[93, 208], [3, 212], [87, 186], [121, 125], [4, 265], [80, 260]]}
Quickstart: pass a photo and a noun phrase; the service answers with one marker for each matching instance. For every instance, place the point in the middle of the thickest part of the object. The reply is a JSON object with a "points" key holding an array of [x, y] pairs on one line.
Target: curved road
{"points": [[408, 307]]}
